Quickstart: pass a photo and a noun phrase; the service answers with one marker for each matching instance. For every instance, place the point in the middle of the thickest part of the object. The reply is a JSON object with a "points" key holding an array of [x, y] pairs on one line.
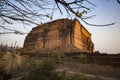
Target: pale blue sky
{"points": [[105, 39]]}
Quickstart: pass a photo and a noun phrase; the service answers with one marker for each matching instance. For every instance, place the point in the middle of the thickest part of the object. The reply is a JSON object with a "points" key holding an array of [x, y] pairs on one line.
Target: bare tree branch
{"points": [[67, 5], [118, 1], [33, 11]]}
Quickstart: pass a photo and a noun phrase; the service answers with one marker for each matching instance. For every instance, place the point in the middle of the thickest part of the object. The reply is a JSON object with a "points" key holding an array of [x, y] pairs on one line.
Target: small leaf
{"points": [[80, 14], [77, 12], [84, 12], [18, 32], [7, 22], [50, 17]]}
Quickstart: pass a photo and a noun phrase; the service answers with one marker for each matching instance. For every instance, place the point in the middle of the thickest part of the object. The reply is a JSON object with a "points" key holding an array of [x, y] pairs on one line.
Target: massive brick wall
{"points": [[63, 34], [82, 38]]}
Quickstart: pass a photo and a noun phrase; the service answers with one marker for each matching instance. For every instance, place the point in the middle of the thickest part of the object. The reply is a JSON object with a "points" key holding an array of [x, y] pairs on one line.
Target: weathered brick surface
{"points": [[62, 35]]}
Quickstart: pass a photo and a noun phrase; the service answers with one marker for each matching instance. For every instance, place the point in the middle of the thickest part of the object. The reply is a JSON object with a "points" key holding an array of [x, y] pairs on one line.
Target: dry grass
{"points": [[100, 72], [10, 62], [94, 69]]}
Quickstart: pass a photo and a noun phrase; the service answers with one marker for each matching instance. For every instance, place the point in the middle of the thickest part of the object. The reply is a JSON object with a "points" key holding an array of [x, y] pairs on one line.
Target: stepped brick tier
{"points": [[60, 35]]}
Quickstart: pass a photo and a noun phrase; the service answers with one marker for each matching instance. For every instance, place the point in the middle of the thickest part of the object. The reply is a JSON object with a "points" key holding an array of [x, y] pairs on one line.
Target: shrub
{"points": [[83, 58], [42, 71], [57, 56], [78, 77]]}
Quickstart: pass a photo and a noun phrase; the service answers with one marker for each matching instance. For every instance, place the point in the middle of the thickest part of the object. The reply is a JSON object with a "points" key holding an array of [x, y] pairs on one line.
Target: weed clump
{"points": [[83, 58], [9, 63]]}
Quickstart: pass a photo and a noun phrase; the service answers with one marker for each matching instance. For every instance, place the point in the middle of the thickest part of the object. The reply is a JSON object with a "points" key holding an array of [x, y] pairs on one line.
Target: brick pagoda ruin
{"points": [[61, 35]]}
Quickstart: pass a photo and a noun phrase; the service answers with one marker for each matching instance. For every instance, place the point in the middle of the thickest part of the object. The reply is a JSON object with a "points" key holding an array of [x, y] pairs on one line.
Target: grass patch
{"points": [[10, 62]]}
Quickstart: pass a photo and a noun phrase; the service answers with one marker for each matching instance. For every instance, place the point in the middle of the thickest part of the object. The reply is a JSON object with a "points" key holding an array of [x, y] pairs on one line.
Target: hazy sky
{"points": [[105, 39]]}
